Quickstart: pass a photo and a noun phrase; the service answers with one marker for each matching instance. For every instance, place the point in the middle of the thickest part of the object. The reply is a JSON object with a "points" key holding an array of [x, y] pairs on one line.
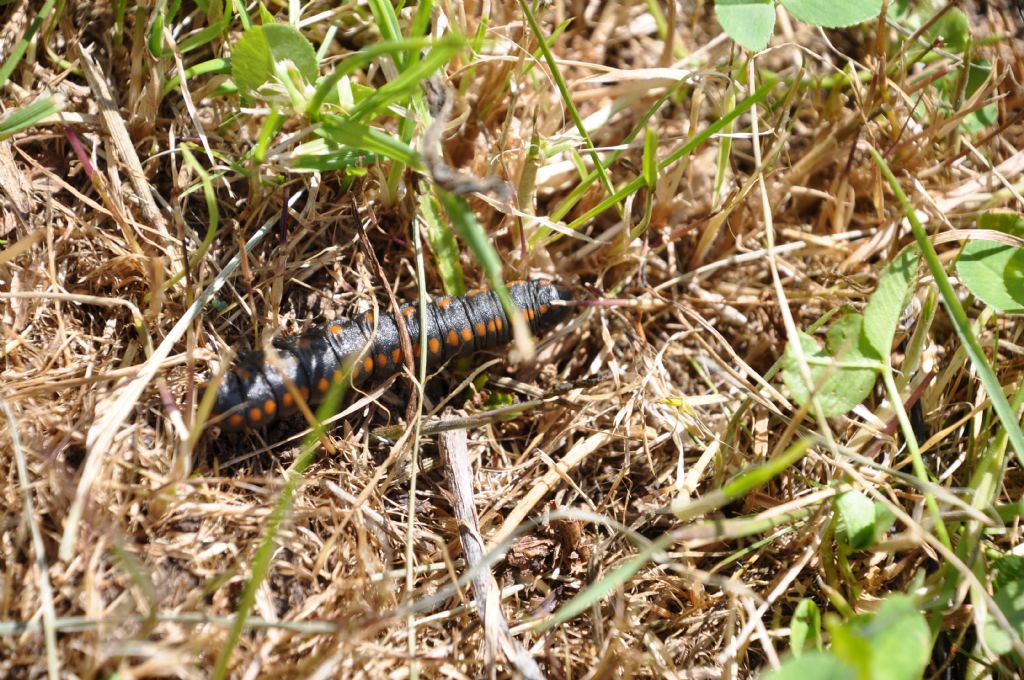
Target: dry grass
{"points": [[160, 528]]}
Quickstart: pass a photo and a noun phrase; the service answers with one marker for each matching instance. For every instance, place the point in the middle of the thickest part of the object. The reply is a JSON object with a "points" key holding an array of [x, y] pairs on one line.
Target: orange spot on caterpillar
{"points": [[453, 338], [323, 385], [236, 420], [396, 356], [368, 364], [287, 400], [434, 345], [498, 323], [543, 309], [481, 329], [336, 328], [443, 303], [467, 334], [382, 360], [269, 406], [255, 414]]}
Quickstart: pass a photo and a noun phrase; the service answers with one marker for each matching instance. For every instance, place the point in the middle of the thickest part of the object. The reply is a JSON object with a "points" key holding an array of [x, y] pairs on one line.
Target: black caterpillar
{"points": [[254, 394]]}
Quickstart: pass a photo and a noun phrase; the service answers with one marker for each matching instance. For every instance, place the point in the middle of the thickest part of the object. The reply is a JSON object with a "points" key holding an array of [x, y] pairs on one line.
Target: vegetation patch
{"points": [[759, 414]]}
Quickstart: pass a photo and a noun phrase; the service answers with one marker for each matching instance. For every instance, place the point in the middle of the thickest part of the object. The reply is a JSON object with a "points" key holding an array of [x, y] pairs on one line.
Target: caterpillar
{"points": [[254, 393]]}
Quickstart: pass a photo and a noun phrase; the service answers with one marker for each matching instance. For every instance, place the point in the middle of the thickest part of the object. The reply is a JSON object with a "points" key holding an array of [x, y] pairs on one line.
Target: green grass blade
{"points": [[363, 57], [18, 52], [201, 69], [156, 37], [650, 166], [17, 120], [957, 314], [444, 245], [563, 89], [387, 22], [407, 83], [119, 12], [638, 183], [264, 554], [686, 509], [466, 226], [724, 153], [594, 593], [211, 207], [206, 35], [364, 138], [584, 185], [268, 545]]}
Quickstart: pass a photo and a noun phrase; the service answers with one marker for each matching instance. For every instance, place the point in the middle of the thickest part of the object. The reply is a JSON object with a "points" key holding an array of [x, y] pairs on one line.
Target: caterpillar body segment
{"points": [[369, 349]]}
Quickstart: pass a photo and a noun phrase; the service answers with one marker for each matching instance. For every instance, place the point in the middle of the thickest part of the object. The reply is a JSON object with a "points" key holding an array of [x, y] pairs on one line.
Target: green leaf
{"points": [[892, 644], [498, 399], [895, 286], [1010, 598], [856, 519], [265, 16], [1008, 568], [1006, 222], [805, 627], [954, 28], [749, 22], [994, 272], [254, 55], [833, 13], [884, 519], [839, 388], [813, 666]]}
